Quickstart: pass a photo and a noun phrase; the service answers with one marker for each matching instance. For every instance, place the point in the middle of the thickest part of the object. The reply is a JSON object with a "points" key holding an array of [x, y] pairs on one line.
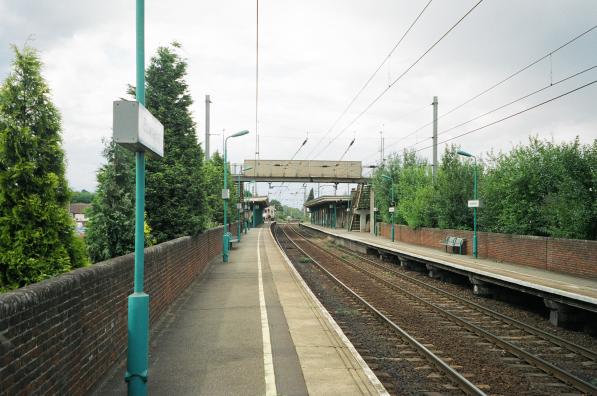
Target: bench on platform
{"points": [[453, 242]]}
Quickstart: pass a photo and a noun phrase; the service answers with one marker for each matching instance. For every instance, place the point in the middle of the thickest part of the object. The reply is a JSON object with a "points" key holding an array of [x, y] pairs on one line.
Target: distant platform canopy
{"points": [[261, 201], [301, 171], [325, 200]]}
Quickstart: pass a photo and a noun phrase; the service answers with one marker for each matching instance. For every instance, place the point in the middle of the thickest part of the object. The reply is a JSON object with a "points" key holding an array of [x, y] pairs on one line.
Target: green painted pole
{"points": [[225, 241], [239, 209], [393, 203], [334, 217], [475, 252], [138, 302]]}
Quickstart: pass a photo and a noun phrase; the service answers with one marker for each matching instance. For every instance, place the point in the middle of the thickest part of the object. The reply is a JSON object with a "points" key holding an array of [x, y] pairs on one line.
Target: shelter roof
{"points": [[327, 199]]}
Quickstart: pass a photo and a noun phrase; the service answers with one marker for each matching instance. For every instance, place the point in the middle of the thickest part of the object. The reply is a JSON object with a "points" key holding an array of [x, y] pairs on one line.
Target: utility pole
{"points": [[207, 102], [381, 153], [434, 169]]}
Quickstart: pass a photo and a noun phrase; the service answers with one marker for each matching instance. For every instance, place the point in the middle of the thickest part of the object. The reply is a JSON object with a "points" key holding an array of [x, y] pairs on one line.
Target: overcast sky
{"points": [[314, 57]]}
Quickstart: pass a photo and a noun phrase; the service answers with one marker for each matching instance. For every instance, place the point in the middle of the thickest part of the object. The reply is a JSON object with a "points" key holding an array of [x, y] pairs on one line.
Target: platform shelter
{"points": [[254, 209], [330, 210]]}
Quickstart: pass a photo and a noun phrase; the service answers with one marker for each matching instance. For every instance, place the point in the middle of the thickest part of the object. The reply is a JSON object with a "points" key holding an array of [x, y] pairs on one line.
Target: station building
{"points": [[330, 210]]}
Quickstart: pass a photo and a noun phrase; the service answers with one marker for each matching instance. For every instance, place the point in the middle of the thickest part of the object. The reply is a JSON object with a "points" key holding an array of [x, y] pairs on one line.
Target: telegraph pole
{"points": [[434, 169], [207, 102]]}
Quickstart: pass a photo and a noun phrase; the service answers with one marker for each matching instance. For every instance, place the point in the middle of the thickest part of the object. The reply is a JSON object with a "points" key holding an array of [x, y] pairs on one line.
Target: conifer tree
{"points": [[37, 238], [111, 228], [175, 196]]}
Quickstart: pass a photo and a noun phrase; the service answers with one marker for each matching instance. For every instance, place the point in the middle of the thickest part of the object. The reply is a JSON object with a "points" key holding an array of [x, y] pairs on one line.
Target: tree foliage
{"points": [[82, 196], [175, 187], [541, 188], [311, 195], [111, 228], [214, 183], [37, 238]]}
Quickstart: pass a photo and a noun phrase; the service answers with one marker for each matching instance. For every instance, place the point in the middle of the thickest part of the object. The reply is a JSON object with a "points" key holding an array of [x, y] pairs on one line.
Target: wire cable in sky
{"points": [[513, 114], [553, 84], [492, 87], [388, 56], [355, 119]]}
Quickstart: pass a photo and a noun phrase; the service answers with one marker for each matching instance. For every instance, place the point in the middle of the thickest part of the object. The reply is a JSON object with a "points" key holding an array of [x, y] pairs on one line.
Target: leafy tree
{"points": [[277, 204], [37, 238], [214, 182], [542, 189], [415, 188], [454, 186], [111, 228], [311, 195], [175, 188], [82, 196]]}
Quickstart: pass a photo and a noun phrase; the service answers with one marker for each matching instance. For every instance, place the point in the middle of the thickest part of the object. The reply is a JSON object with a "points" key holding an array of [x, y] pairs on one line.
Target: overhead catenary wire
{"points": [[408, 69], [383, 62], [497, 84], [526, 96], [513, 114]]}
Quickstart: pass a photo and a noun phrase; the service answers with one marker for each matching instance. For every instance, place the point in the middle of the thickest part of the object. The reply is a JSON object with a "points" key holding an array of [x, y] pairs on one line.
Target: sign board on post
{"points": [[474, 203], [225, 193], [136, 129], [392, 209]]}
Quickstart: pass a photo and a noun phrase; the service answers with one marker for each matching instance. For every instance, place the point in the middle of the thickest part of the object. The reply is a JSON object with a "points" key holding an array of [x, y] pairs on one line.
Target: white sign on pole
{"points": [[392, 209], [225, 193], [136, 129], [239, 206], [474, 203]]}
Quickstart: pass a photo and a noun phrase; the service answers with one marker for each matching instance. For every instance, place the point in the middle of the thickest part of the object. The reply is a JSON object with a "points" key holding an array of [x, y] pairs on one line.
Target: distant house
{"points": [[77, 211], [269, 213]]}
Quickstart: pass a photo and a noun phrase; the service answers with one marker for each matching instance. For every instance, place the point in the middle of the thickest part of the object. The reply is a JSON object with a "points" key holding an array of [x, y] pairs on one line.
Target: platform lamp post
{"points": [[240, 204], [226, 196], [136, 129], [475, 201], [392, 203]]}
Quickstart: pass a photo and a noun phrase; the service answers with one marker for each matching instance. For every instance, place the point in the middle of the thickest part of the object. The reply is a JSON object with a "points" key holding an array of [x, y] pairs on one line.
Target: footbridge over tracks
{"points": [[301, 171]]}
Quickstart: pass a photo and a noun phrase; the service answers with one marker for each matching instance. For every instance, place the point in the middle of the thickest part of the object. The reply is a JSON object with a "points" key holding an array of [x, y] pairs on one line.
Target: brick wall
{"points": [[61, 335], [572, 256]]}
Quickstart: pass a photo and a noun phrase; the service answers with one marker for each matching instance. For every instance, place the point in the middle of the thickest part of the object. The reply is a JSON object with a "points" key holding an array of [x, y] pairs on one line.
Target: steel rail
{"points": [[464, 384], [589, 354], [536, 361]]}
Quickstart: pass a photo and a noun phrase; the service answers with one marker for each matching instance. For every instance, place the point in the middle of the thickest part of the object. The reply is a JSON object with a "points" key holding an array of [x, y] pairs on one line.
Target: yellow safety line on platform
{"points": [[268, 362]]}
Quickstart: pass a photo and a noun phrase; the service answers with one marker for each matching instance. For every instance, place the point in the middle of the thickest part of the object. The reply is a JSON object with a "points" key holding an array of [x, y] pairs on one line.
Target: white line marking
{"points": [[268, 362]]}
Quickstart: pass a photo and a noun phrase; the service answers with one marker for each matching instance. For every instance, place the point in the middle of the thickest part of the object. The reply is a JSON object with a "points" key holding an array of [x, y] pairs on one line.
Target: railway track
{"points": [[444, 378], [543, 362]]}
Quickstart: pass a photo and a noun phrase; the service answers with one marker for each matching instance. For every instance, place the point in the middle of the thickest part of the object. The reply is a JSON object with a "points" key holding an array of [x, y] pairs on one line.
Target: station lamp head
{"points": [[241, 133], [464, 153]]}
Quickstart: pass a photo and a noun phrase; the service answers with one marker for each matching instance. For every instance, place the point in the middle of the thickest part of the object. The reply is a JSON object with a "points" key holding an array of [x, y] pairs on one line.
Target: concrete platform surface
{"points": [[250, 327], [568, 286]]}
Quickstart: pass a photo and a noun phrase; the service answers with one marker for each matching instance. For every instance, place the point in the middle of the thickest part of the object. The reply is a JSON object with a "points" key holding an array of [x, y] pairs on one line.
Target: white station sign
{"points": [[135, 128], [474, 203], [392, 209]]}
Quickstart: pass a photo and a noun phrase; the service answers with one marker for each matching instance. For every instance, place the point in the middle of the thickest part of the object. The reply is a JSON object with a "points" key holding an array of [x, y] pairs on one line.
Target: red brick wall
{"points": [[61, 335], [572, 256]]}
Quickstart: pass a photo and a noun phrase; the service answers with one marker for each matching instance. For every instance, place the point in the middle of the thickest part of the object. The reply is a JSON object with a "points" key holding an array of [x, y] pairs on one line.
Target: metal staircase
{"points": [[360, 200]]}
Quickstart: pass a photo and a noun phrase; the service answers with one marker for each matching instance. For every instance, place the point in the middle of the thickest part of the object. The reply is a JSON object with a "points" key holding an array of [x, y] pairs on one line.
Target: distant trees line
{"points": [[540, 188]]}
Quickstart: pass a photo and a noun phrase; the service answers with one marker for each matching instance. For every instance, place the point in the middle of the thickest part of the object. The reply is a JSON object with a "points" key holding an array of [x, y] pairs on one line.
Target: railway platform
{"points": [[563, 294], [251, 327]]}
